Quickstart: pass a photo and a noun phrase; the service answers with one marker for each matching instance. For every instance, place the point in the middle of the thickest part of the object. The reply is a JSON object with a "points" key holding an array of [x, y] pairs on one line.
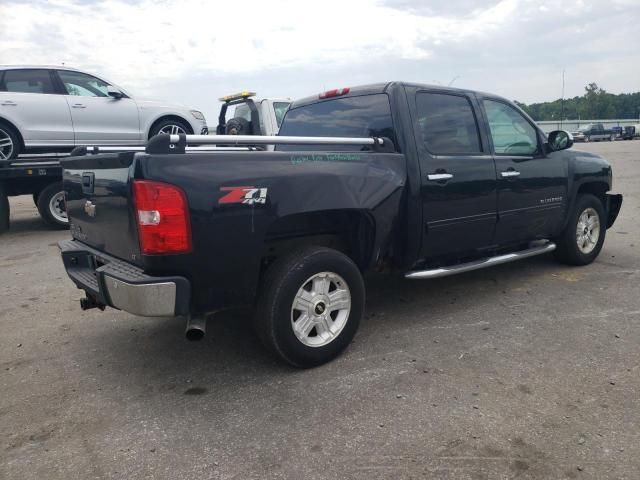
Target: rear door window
{"points": [[446, 124], [28, 81], [363, 116]]}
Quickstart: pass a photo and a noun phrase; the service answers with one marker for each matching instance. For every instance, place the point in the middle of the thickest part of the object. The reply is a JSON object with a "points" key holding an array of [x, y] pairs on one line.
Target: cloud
{"points": [[161, 40], [189, 48]]}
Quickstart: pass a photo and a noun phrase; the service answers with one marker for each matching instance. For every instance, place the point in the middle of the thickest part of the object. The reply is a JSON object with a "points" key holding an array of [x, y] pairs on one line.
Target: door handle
{"points": [[439, 176], [510, 173], [79, 105], [8, 103]]}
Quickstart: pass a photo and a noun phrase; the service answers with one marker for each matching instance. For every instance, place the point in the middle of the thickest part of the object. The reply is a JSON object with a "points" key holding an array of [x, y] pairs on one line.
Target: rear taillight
{"points": [[162, 215], [336, 92]]}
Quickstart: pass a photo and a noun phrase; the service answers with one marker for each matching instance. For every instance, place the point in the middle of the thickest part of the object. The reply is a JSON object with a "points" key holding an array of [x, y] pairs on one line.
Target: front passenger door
{"points": [[532, 185], [99, 119]]}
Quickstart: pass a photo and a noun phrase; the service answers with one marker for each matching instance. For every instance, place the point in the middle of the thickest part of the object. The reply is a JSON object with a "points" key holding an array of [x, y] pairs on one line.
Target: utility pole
{"points": [[562, 101]]}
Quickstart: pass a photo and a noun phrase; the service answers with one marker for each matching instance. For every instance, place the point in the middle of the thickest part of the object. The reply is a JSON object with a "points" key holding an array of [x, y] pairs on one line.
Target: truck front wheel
{"points": [[310, 306], [583, 236]]}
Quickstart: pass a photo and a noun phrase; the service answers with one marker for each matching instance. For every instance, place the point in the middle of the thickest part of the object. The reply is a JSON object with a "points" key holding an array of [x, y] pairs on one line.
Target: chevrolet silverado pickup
{"points": [[593, 132], [427, 181]]}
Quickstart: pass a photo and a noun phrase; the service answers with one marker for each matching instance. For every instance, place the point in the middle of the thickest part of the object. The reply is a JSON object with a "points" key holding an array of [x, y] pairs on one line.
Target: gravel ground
{"points": [[527, 370]]}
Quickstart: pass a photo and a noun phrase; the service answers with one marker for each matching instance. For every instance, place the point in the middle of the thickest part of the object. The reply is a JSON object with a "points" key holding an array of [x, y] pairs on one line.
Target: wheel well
{"points": [[14, 128], [599, 189], [348, 231], [170, 117]]}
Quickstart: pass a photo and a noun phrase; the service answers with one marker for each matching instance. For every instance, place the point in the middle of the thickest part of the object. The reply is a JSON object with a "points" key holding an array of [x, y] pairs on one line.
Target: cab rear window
{"points": [[362, 116]]}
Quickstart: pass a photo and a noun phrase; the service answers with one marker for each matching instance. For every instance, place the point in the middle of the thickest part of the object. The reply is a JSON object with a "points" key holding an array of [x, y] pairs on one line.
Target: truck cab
{"points": [[593, 132], [251, 116]]}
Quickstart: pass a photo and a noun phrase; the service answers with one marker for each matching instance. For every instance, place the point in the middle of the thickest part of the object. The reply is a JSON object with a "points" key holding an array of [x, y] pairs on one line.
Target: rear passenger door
{"points": [[532, 185], [458, 175], [28, 98]]}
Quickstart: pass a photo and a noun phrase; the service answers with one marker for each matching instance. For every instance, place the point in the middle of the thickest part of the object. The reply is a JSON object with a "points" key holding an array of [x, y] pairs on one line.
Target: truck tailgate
{"points": [[98, 202]]}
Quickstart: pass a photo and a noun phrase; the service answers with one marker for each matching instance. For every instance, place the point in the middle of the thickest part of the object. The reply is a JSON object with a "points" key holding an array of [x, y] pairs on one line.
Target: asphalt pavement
{"points": [[526, 370]]}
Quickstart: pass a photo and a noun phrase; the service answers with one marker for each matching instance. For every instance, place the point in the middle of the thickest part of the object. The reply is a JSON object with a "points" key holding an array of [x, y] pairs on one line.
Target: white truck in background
{"points": [[251, 116]]}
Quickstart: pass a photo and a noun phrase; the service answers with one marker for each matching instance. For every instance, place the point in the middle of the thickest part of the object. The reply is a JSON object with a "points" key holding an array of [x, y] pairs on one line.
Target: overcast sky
{"points": [[194, 51]]}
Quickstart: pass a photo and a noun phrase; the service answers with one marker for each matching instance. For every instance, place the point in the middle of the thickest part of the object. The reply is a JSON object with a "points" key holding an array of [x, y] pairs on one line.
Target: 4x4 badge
{"points": [[246, 195]]}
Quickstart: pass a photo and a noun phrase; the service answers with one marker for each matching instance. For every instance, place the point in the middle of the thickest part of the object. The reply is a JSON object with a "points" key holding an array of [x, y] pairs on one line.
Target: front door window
{"points": [[512, 134], [83, 85]]}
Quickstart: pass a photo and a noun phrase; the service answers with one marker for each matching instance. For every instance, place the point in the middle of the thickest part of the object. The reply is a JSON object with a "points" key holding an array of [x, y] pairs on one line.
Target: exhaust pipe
{"points": [[196, 328]]}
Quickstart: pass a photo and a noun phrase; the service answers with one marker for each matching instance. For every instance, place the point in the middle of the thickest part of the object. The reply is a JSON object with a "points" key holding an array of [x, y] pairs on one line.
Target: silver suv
{"points": [[53, 109]]}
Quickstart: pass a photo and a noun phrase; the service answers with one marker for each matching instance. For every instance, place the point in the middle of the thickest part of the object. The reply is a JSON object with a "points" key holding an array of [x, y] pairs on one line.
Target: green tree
{"points": [[596, 103]]}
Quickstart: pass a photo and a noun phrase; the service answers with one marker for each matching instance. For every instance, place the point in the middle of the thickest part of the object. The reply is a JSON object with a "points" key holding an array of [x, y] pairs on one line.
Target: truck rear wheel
{"points": [[583, 236], [51, 206], [310, 306]]}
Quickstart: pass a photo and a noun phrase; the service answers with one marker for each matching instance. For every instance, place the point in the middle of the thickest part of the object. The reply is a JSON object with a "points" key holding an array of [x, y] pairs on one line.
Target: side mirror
{"points": [[559, 140], [114, 92]]}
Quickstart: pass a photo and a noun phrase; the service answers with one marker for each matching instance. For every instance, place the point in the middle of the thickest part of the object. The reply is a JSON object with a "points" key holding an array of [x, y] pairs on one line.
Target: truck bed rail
{"points": [[194, 143]]}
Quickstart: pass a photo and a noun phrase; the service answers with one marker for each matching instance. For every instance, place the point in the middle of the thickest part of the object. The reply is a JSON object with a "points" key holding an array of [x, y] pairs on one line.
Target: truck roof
{"points": [[46, 67], [382, 88]]}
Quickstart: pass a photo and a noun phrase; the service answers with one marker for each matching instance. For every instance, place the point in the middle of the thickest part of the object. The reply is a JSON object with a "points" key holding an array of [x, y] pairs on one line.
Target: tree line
{"points": [[596, 103]]}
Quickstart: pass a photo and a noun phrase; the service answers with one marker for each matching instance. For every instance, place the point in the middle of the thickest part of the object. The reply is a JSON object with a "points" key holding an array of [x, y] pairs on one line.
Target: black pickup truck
{"points": [[423, 180]]}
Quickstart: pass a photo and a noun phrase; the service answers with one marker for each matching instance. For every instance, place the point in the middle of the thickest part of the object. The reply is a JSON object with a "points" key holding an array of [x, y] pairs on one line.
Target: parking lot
{"points": [[525, 370]]}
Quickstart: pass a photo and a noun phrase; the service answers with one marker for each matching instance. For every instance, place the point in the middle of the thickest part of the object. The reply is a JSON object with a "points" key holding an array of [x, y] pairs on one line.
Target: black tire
{"points": [[273, 319], [35, 198], [238, 126], [4, 209], [155, 129], [7, 131], [567, 250], [45, 207]]}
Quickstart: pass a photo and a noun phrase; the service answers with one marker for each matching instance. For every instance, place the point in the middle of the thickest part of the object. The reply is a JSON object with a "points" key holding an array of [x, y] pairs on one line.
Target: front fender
{"points": [[614, 203]]}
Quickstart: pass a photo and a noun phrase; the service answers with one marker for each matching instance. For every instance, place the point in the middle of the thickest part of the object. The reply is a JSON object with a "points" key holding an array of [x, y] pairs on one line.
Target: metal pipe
{"points": [[196, 328], [274, 140], [482, 263]]}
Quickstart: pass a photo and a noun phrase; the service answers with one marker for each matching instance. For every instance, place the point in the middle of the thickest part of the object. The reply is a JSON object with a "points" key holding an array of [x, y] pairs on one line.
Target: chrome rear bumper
{"points": [[109, 281]]}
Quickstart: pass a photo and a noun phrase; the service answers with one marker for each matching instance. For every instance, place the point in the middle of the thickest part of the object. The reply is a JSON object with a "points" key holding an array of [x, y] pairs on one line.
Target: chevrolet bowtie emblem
{"points": [[90, 208]]}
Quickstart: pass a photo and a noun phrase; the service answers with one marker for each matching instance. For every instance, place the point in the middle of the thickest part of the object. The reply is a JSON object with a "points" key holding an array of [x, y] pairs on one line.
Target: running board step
{"points": [[483, 263]]}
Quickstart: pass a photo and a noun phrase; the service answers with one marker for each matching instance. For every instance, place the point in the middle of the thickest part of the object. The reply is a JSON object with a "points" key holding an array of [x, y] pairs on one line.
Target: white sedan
{"points": [[53, 109]]}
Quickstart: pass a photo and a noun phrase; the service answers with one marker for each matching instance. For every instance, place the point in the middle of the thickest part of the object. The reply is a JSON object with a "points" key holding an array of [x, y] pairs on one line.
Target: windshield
{"points": [[242, 111], [584, 128]]}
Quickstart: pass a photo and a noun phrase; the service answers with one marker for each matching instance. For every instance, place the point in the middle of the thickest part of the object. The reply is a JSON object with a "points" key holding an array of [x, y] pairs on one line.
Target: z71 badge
{"points": [[246, 195]]}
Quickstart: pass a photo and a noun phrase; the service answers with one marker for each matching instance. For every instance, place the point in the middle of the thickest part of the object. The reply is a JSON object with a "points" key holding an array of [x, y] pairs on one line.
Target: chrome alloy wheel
{"points": [[588, 230], [320, 309], [173, 130], [58, 208], [6, 145]]}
